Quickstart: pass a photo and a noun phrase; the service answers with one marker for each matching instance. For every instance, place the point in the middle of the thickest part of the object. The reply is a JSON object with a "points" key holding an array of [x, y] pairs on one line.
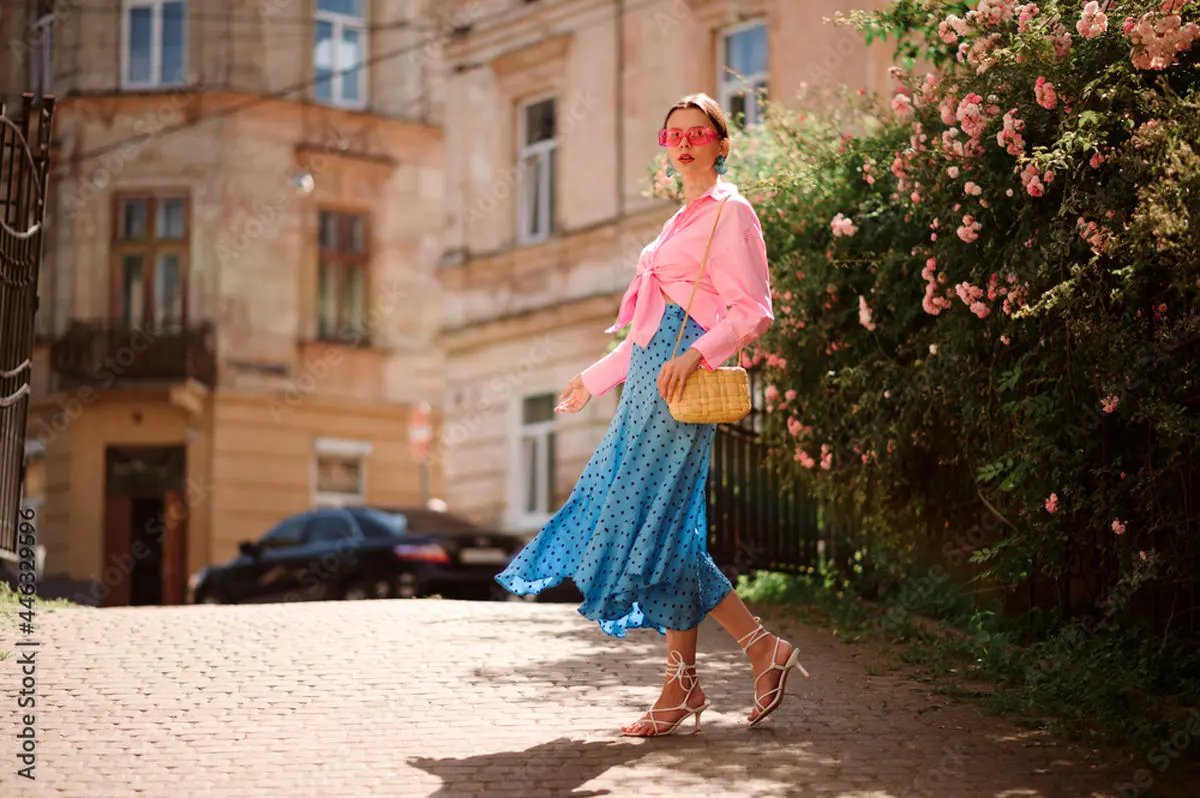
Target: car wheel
{"points": [[207, 598], [407, 586], [357, 590]]}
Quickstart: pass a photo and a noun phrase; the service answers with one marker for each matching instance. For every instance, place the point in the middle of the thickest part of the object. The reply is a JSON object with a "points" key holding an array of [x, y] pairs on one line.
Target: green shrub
{"points": [[987, 337], [979, 323]]}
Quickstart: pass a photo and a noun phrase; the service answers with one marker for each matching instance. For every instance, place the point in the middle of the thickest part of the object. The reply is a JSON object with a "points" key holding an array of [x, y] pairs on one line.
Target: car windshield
{"points": [[377, 523]]}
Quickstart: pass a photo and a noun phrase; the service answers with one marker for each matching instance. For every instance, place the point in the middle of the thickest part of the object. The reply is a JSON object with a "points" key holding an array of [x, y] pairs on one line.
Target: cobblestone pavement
{"points": [[447, 698]]}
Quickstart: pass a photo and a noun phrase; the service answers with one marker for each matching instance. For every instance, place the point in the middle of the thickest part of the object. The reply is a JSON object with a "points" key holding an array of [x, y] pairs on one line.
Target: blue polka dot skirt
{"points": [[632, 533]]}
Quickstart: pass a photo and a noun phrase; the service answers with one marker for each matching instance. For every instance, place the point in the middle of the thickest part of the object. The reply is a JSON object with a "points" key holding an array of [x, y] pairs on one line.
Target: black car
{"points": [[358, 553]]}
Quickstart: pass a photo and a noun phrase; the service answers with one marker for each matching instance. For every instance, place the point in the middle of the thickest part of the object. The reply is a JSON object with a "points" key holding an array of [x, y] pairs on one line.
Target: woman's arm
{"points": [[740, 274], [610, 370]]}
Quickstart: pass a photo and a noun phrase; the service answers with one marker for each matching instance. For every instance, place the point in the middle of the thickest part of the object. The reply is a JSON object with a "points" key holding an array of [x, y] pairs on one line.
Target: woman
{"points": [[632, 533]]}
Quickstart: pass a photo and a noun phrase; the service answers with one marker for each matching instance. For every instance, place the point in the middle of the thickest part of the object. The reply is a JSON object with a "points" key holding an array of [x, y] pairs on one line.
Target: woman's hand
{"points": [[574, 398], [674, 374]]}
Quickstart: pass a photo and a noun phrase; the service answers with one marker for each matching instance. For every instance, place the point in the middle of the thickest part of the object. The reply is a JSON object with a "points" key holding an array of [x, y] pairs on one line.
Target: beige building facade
{"points": [[552, 113], [238, 295]]}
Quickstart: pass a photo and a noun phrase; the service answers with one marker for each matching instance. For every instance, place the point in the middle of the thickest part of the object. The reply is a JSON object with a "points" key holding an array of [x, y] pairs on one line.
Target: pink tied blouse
{"points": [[732, 303]]}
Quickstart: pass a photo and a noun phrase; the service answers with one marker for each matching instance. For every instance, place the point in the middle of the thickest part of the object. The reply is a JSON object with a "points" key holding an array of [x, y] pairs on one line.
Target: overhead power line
{"points": [[268, 18], [451, 31]]}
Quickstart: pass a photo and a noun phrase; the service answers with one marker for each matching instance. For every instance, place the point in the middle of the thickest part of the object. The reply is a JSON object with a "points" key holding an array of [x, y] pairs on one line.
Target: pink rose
{"points": [[1093, 22], [1043, 90]]}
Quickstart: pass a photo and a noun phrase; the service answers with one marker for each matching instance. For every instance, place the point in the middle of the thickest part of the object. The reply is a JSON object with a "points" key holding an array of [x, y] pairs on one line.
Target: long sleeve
{"points": [[610, 370], [740, 275]]}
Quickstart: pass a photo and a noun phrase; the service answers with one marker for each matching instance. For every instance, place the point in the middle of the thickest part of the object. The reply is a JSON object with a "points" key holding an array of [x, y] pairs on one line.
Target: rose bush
{"points": [[987, 295]]}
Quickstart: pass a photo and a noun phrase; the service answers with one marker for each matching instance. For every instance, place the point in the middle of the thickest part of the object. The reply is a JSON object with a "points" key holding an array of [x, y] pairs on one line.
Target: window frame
{"points": [[729, 86], [340, 447], [149, 249], [545, 433], [340, 23], [547, 150], [156, 45], [344, 261]]}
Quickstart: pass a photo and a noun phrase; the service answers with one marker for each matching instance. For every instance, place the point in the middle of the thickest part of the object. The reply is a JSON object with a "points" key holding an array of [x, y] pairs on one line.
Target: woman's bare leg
{"points": [[674, 691], [735, 617]]}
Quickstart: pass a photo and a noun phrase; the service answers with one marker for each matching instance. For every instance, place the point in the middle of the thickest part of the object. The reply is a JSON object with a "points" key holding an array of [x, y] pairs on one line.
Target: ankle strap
{"points": [[676, 667], [754, 635]]}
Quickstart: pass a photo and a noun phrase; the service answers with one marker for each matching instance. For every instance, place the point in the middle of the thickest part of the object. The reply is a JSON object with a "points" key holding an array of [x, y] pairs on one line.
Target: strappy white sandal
{"points": [[677, 670], [777, 692]]}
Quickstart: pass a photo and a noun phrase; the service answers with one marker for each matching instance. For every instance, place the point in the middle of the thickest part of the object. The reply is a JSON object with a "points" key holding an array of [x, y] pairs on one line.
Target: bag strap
{"points": [[703, 261]]}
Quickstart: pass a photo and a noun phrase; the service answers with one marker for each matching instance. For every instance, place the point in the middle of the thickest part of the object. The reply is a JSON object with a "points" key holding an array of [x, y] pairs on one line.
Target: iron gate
{"points": [[24, 162], [761, 519]]}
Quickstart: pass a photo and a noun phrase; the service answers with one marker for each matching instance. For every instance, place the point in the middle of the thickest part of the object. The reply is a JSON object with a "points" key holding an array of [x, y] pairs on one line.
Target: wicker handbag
{"points": [[720, 396]]}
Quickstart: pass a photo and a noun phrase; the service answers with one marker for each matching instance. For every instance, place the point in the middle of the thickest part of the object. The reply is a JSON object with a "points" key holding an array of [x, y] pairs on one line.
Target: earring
{"points": [[719, 165], [670, 169]]}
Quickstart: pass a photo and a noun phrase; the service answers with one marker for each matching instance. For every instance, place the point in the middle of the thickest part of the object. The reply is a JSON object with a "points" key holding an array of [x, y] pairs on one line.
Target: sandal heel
{"points": [[677, 670], [776, 694]]}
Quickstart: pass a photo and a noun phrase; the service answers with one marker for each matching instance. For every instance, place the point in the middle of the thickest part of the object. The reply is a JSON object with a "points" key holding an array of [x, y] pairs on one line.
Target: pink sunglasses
{"points": [[696, 136]]}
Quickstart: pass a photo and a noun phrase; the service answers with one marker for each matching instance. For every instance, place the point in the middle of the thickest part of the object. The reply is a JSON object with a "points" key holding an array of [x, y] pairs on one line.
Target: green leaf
{"points": [[990, 471], [1009, 379]]}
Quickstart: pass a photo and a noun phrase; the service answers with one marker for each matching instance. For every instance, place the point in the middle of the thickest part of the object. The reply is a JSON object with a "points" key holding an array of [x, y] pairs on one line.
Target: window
{"points": [[340, 52], [376, 524], [154, 53], [341, 277], [328, 527], [534, 472], [289, 532], [743, 65], [41, 52], [150, 268], [340, 472], [536, 171]]}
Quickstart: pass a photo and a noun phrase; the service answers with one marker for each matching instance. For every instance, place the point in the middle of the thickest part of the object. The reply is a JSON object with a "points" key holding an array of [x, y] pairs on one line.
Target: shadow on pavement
{"points": [[564, 763], [847, 731]]}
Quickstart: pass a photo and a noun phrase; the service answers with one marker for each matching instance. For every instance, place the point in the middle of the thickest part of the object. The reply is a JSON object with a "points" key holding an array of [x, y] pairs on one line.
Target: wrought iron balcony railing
{"points": [[109, 354]]}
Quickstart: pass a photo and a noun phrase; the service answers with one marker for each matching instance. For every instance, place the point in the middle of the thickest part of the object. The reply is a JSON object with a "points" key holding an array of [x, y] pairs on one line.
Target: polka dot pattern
{"points": [[632, 533]]}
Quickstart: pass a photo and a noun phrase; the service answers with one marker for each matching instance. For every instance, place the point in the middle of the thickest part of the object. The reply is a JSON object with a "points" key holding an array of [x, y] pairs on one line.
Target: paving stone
{"points": [[445, 698]]}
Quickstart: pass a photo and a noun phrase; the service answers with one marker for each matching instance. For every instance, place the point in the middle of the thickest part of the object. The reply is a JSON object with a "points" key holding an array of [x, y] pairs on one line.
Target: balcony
{"points": [[105, 354]]}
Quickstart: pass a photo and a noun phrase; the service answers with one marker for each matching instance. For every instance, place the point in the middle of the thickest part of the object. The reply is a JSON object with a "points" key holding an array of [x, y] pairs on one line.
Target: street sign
{"points": [[420, 431]]}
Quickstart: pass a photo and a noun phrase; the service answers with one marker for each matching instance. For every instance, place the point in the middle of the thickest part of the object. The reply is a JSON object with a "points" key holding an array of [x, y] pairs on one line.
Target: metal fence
{"points": [[761, 517], [24, 161]]}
